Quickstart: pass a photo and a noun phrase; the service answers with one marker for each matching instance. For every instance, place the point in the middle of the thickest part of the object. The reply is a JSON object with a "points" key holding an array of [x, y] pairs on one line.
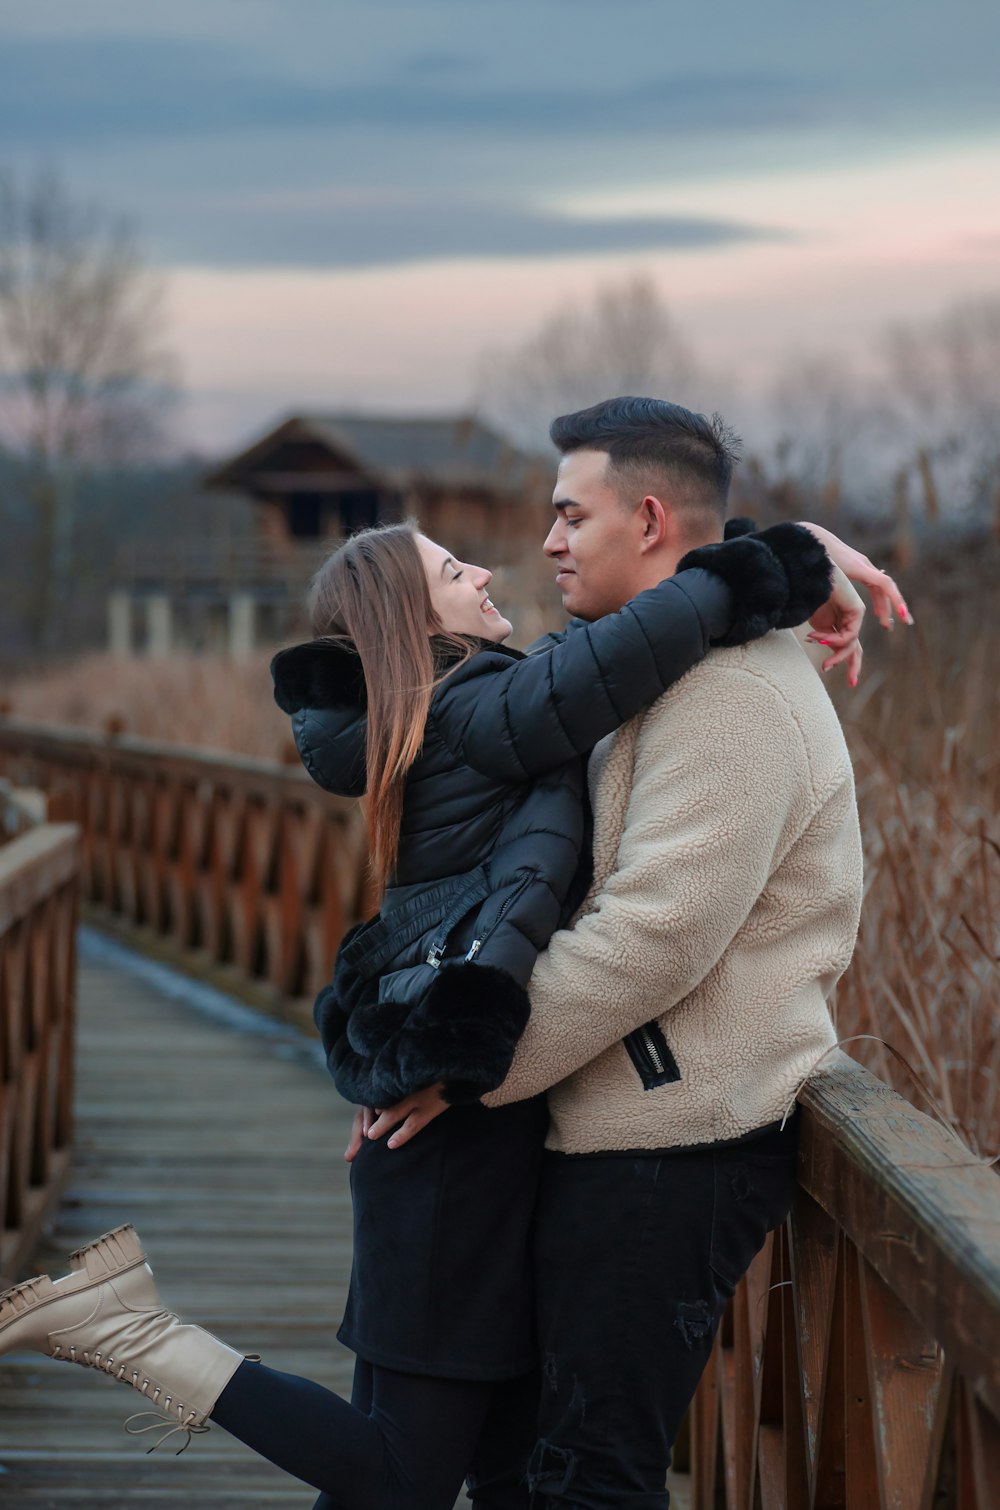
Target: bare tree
{"points": [[623, 341], [82, 370]]}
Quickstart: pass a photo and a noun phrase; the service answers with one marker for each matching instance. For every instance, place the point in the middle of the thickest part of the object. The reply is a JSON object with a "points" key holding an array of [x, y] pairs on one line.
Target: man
{"points": [[673, 1022]]}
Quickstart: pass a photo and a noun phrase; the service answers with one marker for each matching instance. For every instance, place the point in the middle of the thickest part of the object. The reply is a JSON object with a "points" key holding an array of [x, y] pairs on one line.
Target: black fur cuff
{"points": [[463, 1033], [473, 1016], [777, 577]]}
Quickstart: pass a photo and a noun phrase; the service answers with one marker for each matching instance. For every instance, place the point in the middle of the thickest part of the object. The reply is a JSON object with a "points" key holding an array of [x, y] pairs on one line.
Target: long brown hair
{"points": [[372, 591]]}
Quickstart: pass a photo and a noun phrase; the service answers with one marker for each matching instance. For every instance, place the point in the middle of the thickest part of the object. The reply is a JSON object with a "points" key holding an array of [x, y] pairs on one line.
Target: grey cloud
{"points": [[394, 229], [440, 64], [80, 89]]}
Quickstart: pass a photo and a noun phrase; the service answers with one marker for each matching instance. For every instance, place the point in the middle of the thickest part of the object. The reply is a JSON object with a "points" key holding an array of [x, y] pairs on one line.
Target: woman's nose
{"points": [[483, 577]]}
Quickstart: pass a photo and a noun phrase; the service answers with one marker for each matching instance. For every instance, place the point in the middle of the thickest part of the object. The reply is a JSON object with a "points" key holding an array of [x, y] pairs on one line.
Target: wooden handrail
{"points": [[244, 861], [859, 1361], [38, 913]]}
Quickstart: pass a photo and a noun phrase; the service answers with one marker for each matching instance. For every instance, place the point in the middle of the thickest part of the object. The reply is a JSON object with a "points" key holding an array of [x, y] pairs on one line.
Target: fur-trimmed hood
{"points": [[323, 673]]}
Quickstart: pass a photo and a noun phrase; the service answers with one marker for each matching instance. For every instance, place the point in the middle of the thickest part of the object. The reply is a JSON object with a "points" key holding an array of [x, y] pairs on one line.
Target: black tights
{"points": [[405, 1442]]}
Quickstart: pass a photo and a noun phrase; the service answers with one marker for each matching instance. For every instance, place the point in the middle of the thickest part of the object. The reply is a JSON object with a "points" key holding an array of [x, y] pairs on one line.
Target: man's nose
{"points": [[555, 541]]}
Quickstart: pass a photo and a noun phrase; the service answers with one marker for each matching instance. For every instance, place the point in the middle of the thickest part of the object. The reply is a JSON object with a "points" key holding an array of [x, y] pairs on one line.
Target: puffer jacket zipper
{"points": [[478, 943], [650, 1053]]}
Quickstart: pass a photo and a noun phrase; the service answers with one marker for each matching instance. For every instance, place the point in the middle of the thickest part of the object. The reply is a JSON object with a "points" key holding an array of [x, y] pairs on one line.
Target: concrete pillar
{"points": [[242, 616], [120, 622], [159, 625]]}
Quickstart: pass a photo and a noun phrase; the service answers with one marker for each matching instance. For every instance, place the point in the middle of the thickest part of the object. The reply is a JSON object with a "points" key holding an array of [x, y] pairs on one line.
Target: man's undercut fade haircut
{"points": [[652, 446]]}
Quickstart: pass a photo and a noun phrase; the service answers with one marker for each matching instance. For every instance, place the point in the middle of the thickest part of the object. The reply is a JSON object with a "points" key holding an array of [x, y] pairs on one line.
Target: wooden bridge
{"points": [[858, 1367]]}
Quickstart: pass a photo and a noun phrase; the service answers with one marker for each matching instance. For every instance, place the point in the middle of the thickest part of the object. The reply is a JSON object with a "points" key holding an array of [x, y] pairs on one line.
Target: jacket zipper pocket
{"points": [[478, 943], [650, 1053]]}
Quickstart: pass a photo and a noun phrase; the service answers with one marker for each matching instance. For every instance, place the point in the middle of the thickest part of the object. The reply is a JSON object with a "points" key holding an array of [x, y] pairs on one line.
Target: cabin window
{"points": [[303, 515], [358, 510]]}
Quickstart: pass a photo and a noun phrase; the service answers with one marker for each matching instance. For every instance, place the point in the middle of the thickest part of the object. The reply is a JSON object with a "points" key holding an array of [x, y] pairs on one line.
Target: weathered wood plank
{"points": [[919, 1207], [225, 1149], [33, 866]]}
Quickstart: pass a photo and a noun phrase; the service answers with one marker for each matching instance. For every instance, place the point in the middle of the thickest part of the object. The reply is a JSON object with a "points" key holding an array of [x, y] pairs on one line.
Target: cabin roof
{"points": [[446, 450]]}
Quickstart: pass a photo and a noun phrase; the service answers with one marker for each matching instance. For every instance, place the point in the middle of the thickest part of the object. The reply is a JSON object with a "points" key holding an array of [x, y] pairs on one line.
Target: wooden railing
{"points": [[38, 911], [239, 862], [859, 1363], [858, 1366]]}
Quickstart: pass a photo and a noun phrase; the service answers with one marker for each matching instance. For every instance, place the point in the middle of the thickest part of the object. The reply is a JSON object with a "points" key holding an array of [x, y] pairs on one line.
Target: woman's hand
{"points": [[885, 595], [413, 1112], [837, 625], [363, 1119]]}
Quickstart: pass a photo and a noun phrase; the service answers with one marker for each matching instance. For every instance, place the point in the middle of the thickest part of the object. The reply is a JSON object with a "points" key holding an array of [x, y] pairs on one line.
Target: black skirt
{"points": [[441, 1281]]}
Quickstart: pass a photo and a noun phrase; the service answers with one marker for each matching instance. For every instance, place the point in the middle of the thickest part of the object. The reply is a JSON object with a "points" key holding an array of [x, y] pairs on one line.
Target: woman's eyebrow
{"points": [[444, 563]]}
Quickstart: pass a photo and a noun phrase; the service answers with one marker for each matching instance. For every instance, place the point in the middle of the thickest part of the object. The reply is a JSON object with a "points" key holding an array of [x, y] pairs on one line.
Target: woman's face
{"points": [[458, 594]]}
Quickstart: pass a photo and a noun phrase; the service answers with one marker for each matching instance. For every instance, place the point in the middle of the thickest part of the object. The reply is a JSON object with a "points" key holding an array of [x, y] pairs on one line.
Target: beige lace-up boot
{"points": [[106, 1314]]}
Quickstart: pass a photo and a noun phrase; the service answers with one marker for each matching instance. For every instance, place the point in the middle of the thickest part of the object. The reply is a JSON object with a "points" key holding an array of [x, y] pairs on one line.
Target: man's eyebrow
{"points": [[444, 563], [567, 503]]}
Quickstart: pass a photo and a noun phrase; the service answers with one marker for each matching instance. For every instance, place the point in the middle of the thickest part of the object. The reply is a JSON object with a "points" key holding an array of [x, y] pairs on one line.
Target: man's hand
{"points": [[363, 1118], [414, 1113]]}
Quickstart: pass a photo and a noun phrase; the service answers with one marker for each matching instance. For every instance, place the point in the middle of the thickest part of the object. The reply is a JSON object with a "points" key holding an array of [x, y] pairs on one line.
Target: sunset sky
{"points": [[355, 199]]}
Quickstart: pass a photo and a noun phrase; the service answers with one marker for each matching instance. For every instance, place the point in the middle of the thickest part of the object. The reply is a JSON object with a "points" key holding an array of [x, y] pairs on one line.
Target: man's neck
{"points": [[657, 565]]}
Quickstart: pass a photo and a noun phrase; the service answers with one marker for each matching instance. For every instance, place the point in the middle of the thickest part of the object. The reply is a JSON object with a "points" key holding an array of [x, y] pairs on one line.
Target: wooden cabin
{"points": [[321, 476], [312, 480]]}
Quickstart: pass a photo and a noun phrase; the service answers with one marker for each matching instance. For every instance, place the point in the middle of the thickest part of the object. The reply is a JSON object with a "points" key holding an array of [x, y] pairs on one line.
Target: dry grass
{"points": [[926, 974], [205, 700], [924, 729]]}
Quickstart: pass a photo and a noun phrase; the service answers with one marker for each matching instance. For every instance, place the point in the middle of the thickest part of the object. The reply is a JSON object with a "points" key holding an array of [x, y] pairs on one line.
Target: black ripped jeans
{"points": [[637, 1255]]}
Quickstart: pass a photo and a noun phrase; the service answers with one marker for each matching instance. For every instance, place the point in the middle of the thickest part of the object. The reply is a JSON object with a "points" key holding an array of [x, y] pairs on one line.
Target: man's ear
{"points": [[659, 523]]}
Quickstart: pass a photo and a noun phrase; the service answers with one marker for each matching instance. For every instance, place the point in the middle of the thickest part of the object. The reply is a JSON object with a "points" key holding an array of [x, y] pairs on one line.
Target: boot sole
{"points": [[114, 1253]]}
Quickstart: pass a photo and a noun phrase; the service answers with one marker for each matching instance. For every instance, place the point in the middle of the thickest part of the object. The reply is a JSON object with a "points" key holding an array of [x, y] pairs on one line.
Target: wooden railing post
{"points": [[38, 913]]}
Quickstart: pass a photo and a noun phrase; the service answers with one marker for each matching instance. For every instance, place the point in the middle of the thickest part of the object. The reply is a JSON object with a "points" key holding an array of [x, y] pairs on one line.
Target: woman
{"points": [[471, 757]]}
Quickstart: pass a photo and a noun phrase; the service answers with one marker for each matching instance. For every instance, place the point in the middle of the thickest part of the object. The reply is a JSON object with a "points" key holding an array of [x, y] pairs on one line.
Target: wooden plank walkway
{"points": [[220, 1136]]}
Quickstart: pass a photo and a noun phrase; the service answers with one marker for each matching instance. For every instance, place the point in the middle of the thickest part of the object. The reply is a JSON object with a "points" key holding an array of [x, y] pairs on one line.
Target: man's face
{"points": [[595, 542]]}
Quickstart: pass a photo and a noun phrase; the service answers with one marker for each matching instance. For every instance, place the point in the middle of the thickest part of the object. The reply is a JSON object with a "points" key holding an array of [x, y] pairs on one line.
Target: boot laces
{"points": [[105, 1361], [166, 1425]]}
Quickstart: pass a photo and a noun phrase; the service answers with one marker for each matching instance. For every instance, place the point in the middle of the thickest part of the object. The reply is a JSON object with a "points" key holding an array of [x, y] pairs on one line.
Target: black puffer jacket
{"points": [[492, 836]]}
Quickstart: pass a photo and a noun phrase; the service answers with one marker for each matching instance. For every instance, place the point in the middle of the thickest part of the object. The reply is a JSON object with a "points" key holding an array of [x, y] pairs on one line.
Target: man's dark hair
{"points": [[650, 442]]}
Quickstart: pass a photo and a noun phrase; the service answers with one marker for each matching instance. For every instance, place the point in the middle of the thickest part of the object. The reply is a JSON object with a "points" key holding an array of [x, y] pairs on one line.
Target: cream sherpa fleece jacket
{"points": [[724, 906]]}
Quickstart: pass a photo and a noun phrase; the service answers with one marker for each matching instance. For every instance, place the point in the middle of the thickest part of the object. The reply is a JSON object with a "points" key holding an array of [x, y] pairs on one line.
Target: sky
{"points": [[354, 202]]}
